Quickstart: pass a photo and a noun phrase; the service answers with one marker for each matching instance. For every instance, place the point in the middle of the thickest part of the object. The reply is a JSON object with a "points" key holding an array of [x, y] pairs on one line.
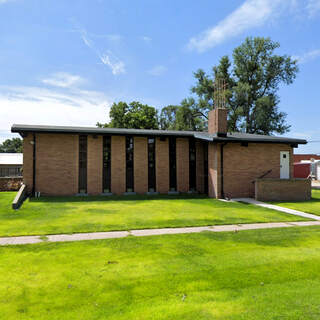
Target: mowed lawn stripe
{"points": [[54, 215], [256, 274]]}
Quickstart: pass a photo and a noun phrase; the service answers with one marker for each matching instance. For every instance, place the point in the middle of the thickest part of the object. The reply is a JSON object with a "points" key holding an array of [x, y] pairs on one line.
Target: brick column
{"points": [[140, 166], [291, 163], [118, 164], [218, 121], [199, 167], [94, 174], [182, 145], [28, 162], [162, 165], [214, 159]]}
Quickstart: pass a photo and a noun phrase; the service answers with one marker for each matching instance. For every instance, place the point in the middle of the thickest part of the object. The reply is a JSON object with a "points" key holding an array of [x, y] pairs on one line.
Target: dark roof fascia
{"points": [[255, 139], [24, 129], [262, 140], [280, 141]]}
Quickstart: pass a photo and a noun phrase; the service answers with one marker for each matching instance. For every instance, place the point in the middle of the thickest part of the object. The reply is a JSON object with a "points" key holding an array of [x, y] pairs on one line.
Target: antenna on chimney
{"points": [[220, 87]]}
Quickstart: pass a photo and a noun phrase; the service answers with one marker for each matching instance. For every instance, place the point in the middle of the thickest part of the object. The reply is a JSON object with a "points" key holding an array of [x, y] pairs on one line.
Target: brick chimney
{"points": [[217, 122]]}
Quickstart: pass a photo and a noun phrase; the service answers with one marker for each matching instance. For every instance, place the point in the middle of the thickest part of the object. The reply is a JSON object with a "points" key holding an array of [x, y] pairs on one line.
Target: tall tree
{"points": [[183, 117], [258, 73], [253, 79], [134, 115], [168, 116], [13, 145]]}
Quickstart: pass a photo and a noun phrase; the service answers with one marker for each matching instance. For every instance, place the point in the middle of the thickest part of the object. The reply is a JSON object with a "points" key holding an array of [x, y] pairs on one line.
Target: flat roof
{"points": [[231, 136], [11, 158]]}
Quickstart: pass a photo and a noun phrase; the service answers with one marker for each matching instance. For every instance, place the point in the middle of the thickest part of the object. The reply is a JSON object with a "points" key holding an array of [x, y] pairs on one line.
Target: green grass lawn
{"points": [[311, 206], [89, 214], [256, 274]]}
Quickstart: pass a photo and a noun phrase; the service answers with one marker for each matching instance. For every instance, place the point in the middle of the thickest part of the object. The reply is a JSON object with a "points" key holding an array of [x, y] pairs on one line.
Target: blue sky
{"points": [[64, 62]]}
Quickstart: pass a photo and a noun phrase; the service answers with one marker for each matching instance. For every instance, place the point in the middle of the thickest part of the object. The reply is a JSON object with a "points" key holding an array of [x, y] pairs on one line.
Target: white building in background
{"points": [[11, 164], [314, 168]]}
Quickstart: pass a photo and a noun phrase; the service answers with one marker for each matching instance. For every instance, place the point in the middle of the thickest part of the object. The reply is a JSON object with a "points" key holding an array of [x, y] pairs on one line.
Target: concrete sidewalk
{"points": [[4, 241], [278, 208]]}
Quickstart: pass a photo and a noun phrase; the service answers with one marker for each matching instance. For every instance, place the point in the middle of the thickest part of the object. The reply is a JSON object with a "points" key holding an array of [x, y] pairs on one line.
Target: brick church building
{"points": [[60, 160]]}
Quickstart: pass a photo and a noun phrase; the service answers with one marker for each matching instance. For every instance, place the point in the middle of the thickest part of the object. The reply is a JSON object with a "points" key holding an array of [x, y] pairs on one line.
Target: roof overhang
{"points": [[236, 137], [24, 129]]}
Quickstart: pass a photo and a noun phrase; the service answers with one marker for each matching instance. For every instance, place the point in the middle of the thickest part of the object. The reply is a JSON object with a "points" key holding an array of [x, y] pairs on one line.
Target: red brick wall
{"points": [[283, 189], [182, 145], [218, 121], [140, 156], [162, 165], [57, 164], [94, 165], [299, 157], [118, 164], [199, 167], [243, 165], [28, 162]]}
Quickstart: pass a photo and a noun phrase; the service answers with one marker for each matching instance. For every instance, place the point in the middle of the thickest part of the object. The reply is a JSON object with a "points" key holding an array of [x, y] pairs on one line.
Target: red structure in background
{"points": [[301, 170], [300, 157]]}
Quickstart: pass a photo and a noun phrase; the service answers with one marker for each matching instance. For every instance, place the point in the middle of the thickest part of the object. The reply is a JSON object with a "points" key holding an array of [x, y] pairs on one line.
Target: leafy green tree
{"points": [[13, 145], [184, 117], [253, 79], [167, 119], [133, 116]]}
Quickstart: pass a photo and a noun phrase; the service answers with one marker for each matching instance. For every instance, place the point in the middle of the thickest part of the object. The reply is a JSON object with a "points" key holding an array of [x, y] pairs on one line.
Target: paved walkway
{"points": [[278, 208], [148, 232]]}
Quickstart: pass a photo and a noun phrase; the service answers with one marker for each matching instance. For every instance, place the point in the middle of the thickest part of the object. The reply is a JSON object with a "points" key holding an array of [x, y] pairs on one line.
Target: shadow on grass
{"points": [[242, 202], [119, 198]]}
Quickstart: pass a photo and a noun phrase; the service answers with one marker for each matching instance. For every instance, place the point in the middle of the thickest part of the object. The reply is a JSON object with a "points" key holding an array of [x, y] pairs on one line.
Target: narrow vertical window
{"points": [[192, 165], [172, 164], [106, 164], [151, 165], [83, 164], [129, 164], [205, 167]]}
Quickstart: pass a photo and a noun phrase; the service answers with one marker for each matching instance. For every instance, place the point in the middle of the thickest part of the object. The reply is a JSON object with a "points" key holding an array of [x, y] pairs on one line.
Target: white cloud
{"points": [[5, 1], [117, 66], [252, 13], [111, 37], [63, 80], [157, 70], [109, 59], [85, 38], [313, 7], [307, 56], [146, 39], [35, 105]]}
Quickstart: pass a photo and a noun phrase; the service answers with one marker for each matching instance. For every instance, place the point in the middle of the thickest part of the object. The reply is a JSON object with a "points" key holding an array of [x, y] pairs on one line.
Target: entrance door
{"points": [[284, 165]]}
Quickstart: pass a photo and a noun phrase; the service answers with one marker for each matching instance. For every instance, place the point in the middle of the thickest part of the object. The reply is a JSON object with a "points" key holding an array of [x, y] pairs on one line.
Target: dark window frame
{"points": [[83, 164], [129, 164], [152, 164], [106, 164], [172, 164]]}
